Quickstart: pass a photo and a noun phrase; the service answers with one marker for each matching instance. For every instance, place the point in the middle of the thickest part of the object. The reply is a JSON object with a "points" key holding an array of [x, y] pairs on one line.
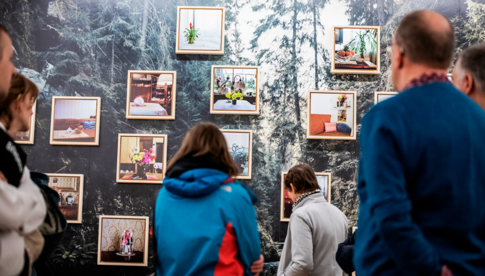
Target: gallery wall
{"points": [[86, 47]]}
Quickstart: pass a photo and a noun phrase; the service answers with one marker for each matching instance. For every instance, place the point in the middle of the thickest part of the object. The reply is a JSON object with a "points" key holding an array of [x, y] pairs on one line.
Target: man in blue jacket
{"points": [[421, 173]]}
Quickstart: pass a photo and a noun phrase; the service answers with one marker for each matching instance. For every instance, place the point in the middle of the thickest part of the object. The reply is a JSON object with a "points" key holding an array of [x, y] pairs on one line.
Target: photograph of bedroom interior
{"points": [[151, 95], [200, 29], [141, 158], [331, 115], [70, 190], [75, 121], [235, 90], [356, 50]]}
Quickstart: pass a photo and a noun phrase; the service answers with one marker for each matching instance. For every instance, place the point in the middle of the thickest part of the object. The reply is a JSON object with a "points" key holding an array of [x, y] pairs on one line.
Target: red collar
{"points": [[427, 79]]}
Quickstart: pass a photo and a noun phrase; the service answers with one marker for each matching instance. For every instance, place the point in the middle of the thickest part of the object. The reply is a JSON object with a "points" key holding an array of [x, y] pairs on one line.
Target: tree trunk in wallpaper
{"points": [[85, 48]]}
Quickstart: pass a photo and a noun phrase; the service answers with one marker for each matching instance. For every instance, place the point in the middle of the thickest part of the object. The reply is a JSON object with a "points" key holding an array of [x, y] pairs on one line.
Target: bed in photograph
{"points": [[87, 134], [320, 125], [154, 109]]}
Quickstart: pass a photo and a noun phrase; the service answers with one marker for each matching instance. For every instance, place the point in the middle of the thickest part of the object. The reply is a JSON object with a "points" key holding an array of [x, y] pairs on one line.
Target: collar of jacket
{"points": [[315, 198]]}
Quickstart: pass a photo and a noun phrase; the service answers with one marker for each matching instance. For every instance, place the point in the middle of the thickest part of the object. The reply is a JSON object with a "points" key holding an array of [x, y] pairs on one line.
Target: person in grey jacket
{"points": [[315, 229]]}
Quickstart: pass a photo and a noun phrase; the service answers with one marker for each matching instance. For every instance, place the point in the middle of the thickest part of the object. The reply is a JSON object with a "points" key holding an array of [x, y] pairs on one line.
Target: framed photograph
{"points": [[142, 158], [381, 96], [200, 30], [151, 95], [123, 241], [331, 115], [356, 50], [239, 142], [75, 121], [324, 181], [27, 137], [70, 188], [234, 90]]}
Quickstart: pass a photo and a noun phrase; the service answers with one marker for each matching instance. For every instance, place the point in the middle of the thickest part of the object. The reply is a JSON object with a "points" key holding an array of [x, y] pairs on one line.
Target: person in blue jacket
{"points": [[204, 220]]}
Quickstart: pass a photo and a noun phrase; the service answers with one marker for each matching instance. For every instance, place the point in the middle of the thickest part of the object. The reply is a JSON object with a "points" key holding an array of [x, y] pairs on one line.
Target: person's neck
{"points": [[12, 128], [413, 71], [479, 98]]}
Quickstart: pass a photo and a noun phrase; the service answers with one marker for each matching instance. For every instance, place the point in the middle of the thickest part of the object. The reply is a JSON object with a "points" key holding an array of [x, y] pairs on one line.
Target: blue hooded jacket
{"points": [[205, 224]]}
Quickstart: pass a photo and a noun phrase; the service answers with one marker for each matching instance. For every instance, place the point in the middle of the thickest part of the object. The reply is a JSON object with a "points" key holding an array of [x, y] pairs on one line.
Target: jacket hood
{"points": [[196, 182]]}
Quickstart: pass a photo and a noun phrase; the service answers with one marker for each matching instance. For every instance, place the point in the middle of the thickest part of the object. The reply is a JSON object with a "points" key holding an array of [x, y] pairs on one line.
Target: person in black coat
{"points": [[345, 253]]}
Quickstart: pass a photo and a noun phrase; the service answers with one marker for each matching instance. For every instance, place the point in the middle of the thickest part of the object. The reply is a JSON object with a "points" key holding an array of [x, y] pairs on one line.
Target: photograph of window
{"points": [[331, 115], [356, 50], [381, 96], [151, 95], [239, 143], [200, 30], [27, 137], [70, 188], [75, 121], [234, 90], [324, 181], [123, 241], [141, 158]]}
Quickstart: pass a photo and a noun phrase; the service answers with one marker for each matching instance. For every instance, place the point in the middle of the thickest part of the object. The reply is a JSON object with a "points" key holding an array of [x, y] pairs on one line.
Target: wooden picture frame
{"points": [[354, 64], [31, 132], [108, 257], [131, 169], [152, 108], [325, 111], [183, 47], [74, 113], [67, 187], [377, 94], [220, 104], [286, 218], [233, 149]]}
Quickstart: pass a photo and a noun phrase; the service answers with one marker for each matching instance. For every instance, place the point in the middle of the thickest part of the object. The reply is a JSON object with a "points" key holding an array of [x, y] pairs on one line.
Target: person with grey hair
{"points": [[469, 73], [421, 178]]}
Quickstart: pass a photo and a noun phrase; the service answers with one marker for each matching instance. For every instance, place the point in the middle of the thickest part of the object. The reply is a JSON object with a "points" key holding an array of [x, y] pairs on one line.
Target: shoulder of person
{"points": [[234, 191]]}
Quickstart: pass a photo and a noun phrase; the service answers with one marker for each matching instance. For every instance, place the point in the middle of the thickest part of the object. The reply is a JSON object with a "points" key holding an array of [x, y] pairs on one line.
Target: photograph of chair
{"points": [[75, 121], [70, 188], [356, 50], [200, 30], [27, 137], [123, 240], [324, 181], [234, 90], [381, 96], [239, 143], [151, 95], [142, 158], [331, 115]]}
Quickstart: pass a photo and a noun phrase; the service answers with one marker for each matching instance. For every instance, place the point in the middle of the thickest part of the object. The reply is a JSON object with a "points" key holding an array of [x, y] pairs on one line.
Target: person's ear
{"points": [[293, 190], [399, 57], [468, 84]]}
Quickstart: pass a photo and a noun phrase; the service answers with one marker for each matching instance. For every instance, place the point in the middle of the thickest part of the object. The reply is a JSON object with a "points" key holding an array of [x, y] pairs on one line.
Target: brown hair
{"points": [[425, 45], [303, 178], [206, 138], [472, 60], [19, 89]]}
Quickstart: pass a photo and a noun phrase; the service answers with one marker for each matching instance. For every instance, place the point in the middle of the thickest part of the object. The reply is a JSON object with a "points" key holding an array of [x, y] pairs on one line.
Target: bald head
{"points": [[427, 38]]}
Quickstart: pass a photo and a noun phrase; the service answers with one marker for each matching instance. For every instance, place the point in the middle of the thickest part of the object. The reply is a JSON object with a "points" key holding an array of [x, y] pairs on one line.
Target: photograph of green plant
{"points": [[356, 50], [239, 145], [234, 90]]}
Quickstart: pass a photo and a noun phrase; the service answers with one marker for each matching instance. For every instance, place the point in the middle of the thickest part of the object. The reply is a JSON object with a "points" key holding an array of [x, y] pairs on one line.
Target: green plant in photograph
{"points": [[235, 95], [191, 34], [362, 39]]}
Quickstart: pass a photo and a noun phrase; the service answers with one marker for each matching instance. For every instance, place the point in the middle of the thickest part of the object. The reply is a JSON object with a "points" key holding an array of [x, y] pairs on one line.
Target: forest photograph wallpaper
{"points": [[85, 48]]}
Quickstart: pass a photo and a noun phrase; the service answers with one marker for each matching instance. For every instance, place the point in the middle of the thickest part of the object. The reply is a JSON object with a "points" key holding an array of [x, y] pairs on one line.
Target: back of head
{"points": [[19, 89], [427, 38], [472, 61], [206, 138], [303, 179]]}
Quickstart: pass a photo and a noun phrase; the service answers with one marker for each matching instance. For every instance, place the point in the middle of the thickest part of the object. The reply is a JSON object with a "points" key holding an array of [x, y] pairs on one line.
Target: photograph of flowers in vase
{"points": [[200, 30], [239, 143], [381, 96], [151, 95], [141, 158], [356, 50], [286, 207], [123, 240], [234, 90], [70, 188], [331, 115]]}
